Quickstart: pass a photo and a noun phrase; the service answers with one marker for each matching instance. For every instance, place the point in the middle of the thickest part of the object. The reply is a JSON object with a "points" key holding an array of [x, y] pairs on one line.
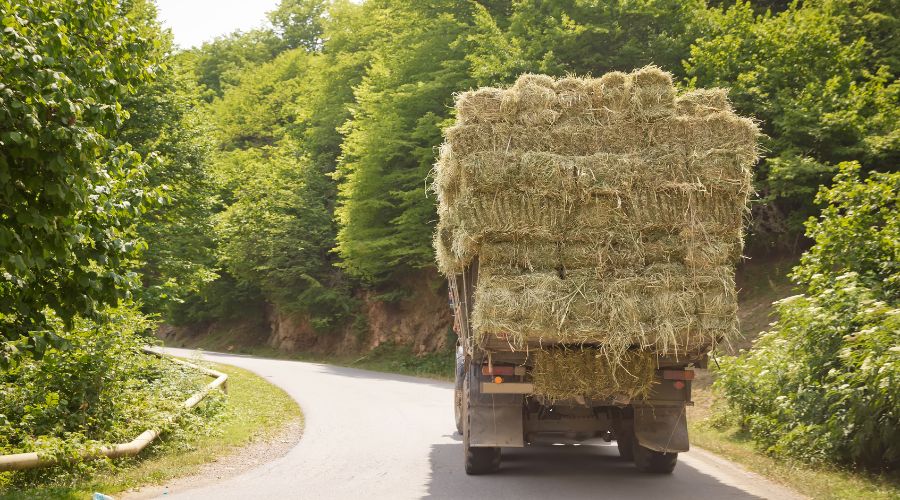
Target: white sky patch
{"points": [[196, 21]]}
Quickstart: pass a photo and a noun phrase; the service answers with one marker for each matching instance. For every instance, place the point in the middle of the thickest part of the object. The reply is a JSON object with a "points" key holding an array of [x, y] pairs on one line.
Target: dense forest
{"points": [[285, 171], [300, 155]]}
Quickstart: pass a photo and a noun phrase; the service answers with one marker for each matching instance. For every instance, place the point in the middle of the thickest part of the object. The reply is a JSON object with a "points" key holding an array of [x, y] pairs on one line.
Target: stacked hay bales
{"points": [[604, 211]]}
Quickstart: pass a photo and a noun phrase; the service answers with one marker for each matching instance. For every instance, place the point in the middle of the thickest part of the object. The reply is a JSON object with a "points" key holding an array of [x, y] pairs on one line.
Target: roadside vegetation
{"points": [[825, 482], [253, 410], [90, 151], [814, 403], [99, 389], [821, 384]]}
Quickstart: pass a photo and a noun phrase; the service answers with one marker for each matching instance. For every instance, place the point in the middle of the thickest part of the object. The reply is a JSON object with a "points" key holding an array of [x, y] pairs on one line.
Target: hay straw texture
{"points": [[564, 374], [604, 211]]}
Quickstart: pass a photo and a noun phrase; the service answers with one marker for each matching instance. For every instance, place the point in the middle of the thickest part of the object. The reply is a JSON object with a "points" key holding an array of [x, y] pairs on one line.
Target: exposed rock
{"points": [[421, 320]]}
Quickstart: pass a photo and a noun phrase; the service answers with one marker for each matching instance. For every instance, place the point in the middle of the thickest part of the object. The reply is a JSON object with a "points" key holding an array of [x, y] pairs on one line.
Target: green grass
{"points": [[817, 482], [256, 410], [400, 359]]}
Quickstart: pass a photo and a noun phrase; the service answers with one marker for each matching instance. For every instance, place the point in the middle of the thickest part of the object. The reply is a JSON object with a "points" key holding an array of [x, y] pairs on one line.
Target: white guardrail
{"points": [[21, 461]]}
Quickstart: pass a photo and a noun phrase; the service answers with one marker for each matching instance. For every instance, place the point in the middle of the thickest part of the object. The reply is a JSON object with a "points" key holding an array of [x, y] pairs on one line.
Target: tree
{"points": [[277, 233], [299, 23], [327, 97], [581, 36], [823, 92], [260, 108], [385, 219], [219, 63], [69, 189], [167, 119], [276, 229]]}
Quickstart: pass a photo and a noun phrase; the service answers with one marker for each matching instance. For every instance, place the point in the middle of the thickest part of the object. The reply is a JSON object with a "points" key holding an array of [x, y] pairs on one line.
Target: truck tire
{"points": [[457, 410], [458, 397], [625, 444], [479, 459], [623, 428], [655, 462]]}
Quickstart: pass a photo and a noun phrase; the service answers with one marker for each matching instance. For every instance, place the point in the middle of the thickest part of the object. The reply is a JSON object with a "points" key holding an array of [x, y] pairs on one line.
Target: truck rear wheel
{"points": [[457, 409], [481, 460], [625, 443], [623, 428], [458, 394], [656, 462]]}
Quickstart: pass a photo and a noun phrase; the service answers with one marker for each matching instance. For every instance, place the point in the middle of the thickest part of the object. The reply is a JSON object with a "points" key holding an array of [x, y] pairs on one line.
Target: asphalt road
{"points": [[373, 435]]}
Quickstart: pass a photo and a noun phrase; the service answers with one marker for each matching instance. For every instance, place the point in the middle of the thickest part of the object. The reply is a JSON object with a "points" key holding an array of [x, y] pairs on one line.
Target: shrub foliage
{"points": [[97, 388], [821, 384], [69, 190]]}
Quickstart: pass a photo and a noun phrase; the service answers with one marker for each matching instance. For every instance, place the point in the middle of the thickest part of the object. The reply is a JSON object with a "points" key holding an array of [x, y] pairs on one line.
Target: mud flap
{"points": [[661, 428], [494, 419]]}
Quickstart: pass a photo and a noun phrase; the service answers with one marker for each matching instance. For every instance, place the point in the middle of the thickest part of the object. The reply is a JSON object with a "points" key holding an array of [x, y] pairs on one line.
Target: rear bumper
{"points": [[507, 388], [664, 393]]}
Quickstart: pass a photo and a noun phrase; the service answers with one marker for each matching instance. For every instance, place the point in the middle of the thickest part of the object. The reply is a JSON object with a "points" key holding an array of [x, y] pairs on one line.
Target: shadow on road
{"points": [[586, 471]]}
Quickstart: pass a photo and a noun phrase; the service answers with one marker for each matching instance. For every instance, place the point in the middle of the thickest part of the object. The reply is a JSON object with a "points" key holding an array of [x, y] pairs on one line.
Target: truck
{"points": [[588, 229], [494, 406]]}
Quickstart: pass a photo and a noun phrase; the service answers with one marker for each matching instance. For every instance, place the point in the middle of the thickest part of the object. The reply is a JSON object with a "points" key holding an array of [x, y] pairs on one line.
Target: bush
{"points": [[98, 388], [70, 190], [821, 384]]}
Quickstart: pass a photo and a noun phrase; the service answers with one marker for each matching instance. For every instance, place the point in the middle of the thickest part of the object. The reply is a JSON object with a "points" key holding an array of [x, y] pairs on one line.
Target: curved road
{"points": [[373, 435]]}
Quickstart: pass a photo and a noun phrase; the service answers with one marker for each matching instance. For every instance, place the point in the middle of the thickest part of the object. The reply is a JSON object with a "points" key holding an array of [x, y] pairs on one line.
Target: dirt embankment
{"points": [[420, 320], [761, 281]]}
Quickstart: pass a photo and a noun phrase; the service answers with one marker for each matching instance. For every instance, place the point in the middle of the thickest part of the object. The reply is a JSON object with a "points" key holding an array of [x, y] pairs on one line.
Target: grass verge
{"points": [[812, 481], [256, 410], [400, 359]]}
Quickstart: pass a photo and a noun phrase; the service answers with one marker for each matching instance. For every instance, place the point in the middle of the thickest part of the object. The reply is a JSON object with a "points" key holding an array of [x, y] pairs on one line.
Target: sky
{"points": [[196, 21]]}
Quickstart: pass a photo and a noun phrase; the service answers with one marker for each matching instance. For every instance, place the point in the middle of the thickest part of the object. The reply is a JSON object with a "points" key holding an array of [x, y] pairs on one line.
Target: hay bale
{"points": [[702, 102], [505, 215], [605, 211], [448, 261], [575, 97], [677, 133], [568, 374], [536, 100], [479, 106], [652, 93], [613, 92], [656, 308], [533, 255], [551, 174]]}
